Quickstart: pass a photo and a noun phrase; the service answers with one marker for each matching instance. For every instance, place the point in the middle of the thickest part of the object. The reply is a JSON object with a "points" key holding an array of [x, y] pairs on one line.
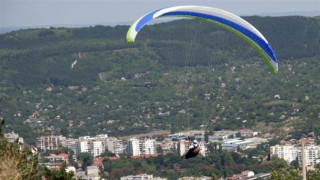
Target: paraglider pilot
{"points": [[194, 150]]}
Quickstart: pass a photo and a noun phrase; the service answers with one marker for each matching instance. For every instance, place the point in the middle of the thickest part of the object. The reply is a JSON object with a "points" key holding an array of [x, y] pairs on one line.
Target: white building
{"points": [[182, 147], [96, 148], [94, 145], [115, 146], [247, 133], [83, 145], [221, 135], [50, 142], [311, 155], [233, 144], [285, 152], [134, 147], [11, 137], [290, 153], [141, 177], [103, 138], [72, 144], [148, 147], [93, 172]]}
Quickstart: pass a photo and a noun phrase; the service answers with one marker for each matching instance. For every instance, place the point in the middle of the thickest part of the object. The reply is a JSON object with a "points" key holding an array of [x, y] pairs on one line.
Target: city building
{"points": [[285, 152], [94, 145], [148, 147], [141, 177], [196, 178], [218, 136], [244, 175], [247, 133], [115, 146], [134, 147], [57, 158], [11, 137], [83, 145], [137, 147], [182, 147], [233, 144], [96, 148], [93, 172], [72, 144], [50, 142], [290, 153]]}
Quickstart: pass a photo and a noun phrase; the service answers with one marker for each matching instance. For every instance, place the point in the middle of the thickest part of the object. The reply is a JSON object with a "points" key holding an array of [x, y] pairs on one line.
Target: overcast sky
{"points": [[39, 13]]}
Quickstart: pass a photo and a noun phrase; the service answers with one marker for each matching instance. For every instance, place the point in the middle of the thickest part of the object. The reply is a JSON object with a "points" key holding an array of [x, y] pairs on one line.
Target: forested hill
{"points": [[177, 75]]}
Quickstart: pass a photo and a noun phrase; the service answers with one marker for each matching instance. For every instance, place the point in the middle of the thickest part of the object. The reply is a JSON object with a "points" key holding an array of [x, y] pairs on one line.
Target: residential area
{"points": [[48, 148]]}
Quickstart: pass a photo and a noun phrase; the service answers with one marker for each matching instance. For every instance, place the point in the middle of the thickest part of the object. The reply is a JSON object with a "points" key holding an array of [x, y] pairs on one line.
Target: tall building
{"points": [[115, 146], [99, 144], [72, 144], [134, 147], [50, 142], [290, 153], [182, 147], [148, 147], [83, 145], [312, 155], [97, 148], [286, 152], [104, 139]]}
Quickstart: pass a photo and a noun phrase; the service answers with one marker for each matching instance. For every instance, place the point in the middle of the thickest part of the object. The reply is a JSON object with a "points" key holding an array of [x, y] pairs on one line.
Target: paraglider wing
{"points": [[220, 17]]}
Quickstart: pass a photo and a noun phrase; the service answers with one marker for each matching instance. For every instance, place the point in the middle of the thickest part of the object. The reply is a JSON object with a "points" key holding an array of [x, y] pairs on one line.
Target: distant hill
{"points": [[178, 75]]}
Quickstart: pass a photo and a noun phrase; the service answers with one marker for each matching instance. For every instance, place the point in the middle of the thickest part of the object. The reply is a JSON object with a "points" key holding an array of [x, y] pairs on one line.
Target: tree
{"points": [[214, 177], [86, 160], [278, 163], [295, 163], [283, 174], [313, 175], [107, 154], [16, 162], [61, 174], [159, 149]]}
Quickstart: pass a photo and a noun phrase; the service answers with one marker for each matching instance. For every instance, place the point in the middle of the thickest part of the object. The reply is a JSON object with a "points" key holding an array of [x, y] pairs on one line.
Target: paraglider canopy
{"points": [[219, 17]]}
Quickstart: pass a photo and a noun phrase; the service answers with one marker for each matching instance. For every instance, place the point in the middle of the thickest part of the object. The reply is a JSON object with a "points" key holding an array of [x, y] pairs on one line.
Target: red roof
{"points": [[98, 161], [64, 155]]}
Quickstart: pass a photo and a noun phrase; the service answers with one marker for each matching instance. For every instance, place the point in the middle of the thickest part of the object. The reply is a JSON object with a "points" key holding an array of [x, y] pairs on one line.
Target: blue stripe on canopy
{"points": [[252, 36], [145, 20]]}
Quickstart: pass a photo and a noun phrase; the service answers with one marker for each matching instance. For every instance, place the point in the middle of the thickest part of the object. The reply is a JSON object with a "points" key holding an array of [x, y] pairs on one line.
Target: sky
{"points": [[68, 13]]}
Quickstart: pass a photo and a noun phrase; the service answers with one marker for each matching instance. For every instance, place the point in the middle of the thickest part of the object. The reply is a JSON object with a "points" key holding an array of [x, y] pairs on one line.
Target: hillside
{"points": [[178, 75]]}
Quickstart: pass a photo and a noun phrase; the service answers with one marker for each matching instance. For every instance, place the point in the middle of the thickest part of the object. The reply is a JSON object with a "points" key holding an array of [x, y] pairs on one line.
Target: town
{"points": [[48, 146]]}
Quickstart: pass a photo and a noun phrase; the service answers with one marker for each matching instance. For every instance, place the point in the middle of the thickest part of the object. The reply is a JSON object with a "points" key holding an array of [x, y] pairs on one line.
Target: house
{"points": [[93, 172], [247, 133], [98, 161]]}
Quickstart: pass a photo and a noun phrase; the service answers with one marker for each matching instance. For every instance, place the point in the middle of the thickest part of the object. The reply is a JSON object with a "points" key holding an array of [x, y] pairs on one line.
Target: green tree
{"points": [[159, 150], [214, 177], [313, 175], [295, 163], [86, 160], [61, 174], [283, 174], [16, 161], [278, 163]]}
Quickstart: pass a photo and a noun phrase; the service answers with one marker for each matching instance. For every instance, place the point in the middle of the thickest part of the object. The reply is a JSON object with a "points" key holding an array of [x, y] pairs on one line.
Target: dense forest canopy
{"points": [[177, 75]]}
